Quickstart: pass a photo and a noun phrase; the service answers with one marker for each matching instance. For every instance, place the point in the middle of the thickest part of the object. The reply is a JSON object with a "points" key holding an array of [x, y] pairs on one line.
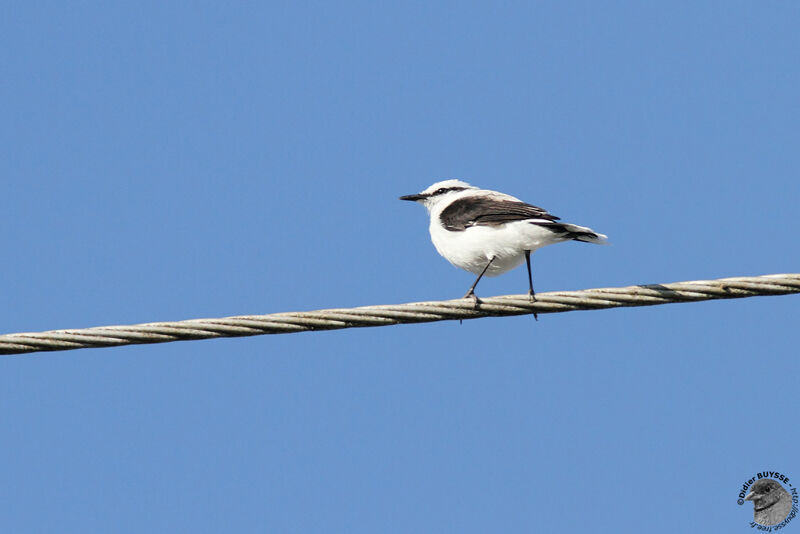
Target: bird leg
{"points": [[471, 292], [531, 294]]}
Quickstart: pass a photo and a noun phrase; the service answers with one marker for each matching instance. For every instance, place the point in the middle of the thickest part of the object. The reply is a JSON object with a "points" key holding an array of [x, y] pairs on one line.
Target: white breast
{"points": [[472, 248]]}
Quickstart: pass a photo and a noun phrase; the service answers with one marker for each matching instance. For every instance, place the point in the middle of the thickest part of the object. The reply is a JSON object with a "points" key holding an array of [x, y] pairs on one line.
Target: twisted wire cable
{"points": [[414, 312]]}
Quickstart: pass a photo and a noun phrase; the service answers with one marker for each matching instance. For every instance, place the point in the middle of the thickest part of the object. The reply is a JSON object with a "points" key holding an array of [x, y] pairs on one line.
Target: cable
{"points": [[415, 312]]}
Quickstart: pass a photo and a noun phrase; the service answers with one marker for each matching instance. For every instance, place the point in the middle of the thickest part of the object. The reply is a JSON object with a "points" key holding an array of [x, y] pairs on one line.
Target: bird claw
{"points": [[532, 298], [476, 301], [471, 295]]}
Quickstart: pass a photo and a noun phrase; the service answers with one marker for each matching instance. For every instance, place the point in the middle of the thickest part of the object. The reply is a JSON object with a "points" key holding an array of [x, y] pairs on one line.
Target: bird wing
{"points": [[485, 210]]}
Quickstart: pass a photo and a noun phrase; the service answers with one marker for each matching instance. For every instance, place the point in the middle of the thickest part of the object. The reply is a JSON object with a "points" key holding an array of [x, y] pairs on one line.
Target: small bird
{"points": [[771, 502], [489, 233]]}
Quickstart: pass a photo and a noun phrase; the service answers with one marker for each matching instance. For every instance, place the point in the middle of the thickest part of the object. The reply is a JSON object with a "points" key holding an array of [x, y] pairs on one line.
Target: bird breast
{"points": [[472, 248]]}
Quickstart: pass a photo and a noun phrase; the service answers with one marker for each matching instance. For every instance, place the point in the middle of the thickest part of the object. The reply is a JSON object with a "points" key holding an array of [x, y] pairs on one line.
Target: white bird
{"points": [[489, 233]]}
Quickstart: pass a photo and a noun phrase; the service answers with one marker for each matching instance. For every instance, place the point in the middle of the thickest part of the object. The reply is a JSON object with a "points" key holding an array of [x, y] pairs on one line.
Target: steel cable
{"points": [[415, 312]]}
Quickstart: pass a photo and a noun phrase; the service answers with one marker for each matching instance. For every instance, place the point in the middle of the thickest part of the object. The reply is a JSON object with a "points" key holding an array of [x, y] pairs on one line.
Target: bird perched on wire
{"points": [[771, 502], [489, 233]]}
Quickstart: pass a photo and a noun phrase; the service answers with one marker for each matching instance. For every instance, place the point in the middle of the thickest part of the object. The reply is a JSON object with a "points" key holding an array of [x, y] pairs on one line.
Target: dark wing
{"points": [[488, 211]]}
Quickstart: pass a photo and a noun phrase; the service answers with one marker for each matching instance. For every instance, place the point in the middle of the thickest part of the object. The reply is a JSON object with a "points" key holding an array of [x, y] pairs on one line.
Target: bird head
{"points": [[439, 192], [765, 493]]}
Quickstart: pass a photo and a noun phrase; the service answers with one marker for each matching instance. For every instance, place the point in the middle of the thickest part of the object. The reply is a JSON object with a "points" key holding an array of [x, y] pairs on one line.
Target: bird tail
{"points": [[579, 233]]}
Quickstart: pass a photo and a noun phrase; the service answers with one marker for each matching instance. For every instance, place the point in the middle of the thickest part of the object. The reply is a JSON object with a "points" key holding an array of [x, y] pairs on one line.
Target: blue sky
{"points": [[166, 161]]}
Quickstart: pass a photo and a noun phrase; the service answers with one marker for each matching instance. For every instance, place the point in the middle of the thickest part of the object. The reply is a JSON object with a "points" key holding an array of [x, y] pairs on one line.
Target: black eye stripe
{"points": [[443, 190]]}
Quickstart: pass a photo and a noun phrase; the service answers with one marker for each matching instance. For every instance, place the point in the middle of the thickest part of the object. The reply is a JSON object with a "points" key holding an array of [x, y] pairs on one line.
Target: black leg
{"points": [[531, 294], [471, 292]]}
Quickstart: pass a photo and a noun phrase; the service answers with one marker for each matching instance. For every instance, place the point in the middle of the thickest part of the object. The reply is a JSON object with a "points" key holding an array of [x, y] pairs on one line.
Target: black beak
{"points": [[412, 198]]}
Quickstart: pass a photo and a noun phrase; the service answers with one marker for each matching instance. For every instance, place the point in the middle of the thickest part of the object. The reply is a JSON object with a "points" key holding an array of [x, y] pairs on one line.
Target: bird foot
{"points": [[532, 298], [476, 301], [471, 295]]}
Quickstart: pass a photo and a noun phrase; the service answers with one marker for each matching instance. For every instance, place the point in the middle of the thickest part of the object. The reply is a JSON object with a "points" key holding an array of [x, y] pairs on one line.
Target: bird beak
{"points": [[749, 496], [413, 198]]}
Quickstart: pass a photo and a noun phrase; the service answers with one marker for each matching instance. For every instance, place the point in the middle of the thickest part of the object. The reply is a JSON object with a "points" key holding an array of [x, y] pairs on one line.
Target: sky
{"points": [[174, 160]]}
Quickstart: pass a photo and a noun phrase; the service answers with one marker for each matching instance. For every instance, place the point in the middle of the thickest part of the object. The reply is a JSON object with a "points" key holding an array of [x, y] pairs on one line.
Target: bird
{"points": [[771, 502], [488, 232]]}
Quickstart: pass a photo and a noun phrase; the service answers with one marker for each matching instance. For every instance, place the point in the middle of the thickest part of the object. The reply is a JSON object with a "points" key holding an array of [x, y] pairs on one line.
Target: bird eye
{"points": [[767, 489], [440, 191]]}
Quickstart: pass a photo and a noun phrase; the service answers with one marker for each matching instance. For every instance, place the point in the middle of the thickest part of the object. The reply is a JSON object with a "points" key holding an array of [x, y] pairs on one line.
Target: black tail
{"points": [[577, 233]]}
